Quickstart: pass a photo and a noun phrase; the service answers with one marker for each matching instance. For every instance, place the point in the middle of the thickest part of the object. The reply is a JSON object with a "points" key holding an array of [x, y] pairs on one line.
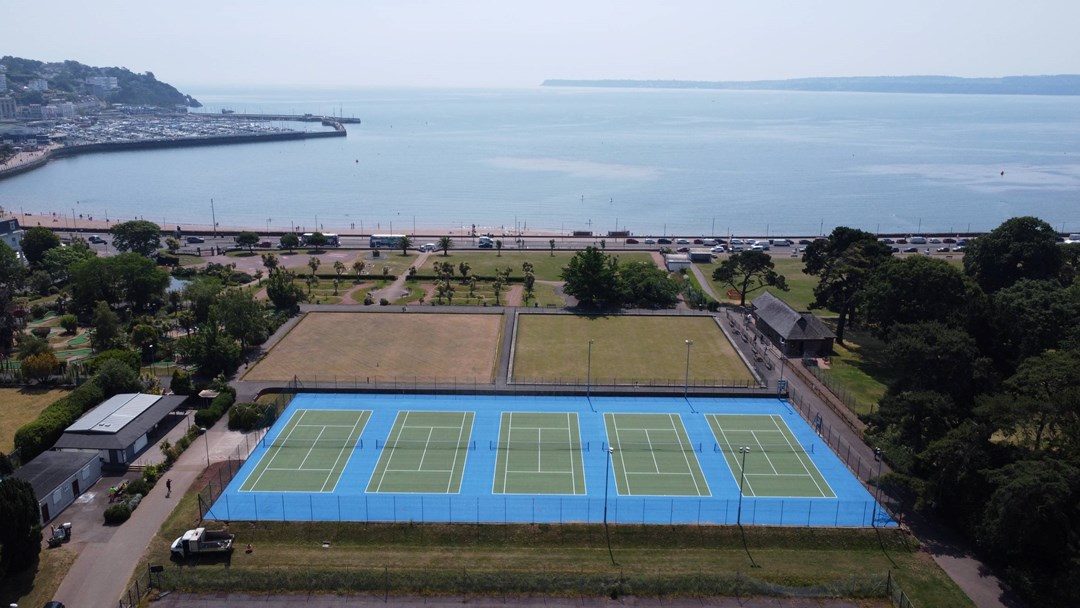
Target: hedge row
{"points": [[41, 433], [221, 404]]}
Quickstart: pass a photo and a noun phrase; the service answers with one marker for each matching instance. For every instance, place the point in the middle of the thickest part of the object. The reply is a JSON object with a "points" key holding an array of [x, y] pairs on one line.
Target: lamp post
{"points": [[783, 361], [686, 377], [742, 478], [607, 533], [877, 494], [588, 376], [206, 442]]}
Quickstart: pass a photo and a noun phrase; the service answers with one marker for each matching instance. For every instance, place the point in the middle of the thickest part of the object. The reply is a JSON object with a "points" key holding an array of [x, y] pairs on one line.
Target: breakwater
{"points": [[180, 142]]}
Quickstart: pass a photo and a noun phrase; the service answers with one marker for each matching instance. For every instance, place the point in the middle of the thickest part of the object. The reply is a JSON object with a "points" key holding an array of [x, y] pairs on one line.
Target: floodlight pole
{"points": [[588, 376], [742, 478], [686, 377], [206, 442], [783, 361], [877, 496]]}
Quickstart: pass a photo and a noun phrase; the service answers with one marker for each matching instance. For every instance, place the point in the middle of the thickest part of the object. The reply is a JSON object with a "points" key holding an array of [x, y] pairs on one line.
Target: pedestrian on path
{"points": [[168, 487]]}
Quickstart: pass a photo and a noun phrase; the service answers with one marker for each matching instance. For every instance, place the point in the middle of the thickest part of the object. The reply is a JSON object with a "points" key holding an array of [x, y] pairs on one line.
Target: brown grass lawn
{"points": [[624, 348], [359, 346], [19, 406]]}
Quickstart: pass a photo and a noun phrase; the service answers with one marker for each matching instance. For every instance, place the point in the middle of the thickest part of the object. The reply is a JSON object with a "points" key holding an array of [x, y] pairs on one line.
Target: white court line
{"points": [[461, 431], [279, 446], [803, 463], [648, 440], [622, 459], [390, 458], [311, 449], [719, 426], [753, 434], [689, 467], [423, 455], [338, 459]]}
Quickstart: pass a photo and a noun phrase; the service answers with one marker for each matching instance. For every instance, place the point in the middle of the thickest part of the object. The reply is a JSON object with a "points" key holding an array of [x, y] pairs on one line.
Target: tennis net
{"points": [[791, 448], [421, 444]]}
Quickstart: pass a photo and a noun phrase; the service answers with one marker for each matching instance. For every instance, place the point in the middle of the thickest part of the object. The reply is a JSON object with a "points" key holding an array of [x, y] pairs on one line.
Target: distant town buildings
{"points": [[7, 108], [38, 84], [3, 79], [11, 235]]}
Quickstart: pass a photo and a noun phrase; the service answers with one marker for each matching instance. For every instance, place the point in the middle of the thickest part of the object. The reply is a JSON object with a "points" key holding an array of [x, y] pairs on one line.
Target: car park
{"points": [[631, 241], [195, 239]]}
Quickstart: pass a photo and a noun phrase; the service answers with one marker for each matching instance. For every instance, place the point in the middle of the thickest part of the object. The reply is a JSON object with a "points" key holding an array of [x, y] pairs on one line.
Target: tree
{"points": [[247, 239], [211, 350], [463, 269], [911, 290], [405, 243], [139, 280], [20, 536], [270, 262], [317, 240], [241, 317], [36, 241], [1040, 405], [70, 323], [11, 269], [1031, 316], [592, 277], [59, 261], [1020, 248], [358, 268], [930, 356], [843, 262], [201, 292], [445, 243], [747, 272], [646, 286], [314, 263], [30, 345], [137, 236], [105, 329], [283, 291], [551, 247], [172, 244], [289, 241], [498, 248]]}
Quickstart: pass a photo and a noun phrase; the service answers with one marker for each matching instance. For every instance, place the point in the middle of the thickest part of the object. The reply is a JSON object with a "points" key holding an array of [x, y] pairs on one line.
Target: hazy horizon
{"points": [[495, 44]]}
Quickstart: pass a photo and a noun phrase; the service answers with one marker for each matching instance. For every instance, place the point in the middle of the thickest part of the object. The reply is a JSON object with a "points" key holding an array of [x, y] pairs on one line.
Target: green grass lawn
{"points": [[857, 370], [560, 560], [625, 349], [19, 406], [545, 267], [800, 285]]}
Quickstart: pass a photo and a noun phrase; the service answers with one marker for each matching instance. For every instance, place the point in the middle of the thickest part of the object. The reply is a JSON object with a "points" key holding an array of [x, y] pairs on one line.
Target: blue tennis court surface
{"points": [[513, 459]]}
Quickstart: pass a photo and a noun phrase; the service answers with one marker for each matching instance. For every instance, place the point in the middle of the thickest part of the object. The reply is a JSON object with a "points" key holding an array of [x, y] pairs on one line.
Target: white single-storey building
{"points": [[58, 478], [120, 428]]}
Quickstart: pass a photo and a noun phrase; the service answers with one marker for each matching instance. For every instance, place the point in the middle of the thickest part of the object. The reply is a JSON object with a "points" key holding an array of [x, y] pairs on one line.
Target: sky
{"points": [[511, 43]]}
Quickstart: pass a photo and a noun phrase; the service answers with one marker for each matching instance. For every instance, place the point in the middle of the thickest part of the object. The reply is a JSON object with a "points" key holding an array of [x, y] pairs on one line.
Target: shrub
{"points": [[207, 417], [41, 332], [164, 259], [41, 433], [37, 311], [368, 300], [138, 486], [133, 502], [384, 302], [70, 323], [115, 377], [181, 383], [130, 358], [247, 416], [117, 514]]}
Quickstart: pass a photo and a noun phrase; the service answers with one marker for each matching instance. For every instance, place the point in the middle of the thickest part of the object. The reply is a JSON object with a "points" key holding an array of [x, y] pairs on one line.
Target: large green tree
{"points": [[20, 536], [747, 272], [36, 241], [1020, 248], [247, 239], [283, 291], [843, 263], [105, 330], [592, 277], [913, 289], [1031, 316], [11, 269], [241, 316], [137, 236], [59, 261], [646, 286]]}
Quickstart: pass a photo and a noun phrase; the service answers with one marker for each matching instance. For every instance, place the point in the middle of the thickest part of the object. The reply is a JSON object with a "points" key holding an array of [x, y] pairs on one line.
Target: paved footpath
{"points": [[100, 575]]}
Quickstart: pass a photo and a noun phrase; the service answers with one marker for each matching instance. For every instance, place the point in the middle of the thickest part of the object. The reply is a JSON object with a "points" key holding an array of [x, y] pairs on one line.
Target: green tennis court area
{"points": [[424, 453], [653, 455], [776, 464], [539, 453], [310, 452]]}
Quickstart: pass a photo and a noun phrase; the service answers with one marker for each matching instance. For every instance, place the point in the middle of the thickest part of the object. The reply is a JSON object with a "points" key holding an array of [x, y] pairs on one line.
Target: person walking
{"points": [[168, 488]]}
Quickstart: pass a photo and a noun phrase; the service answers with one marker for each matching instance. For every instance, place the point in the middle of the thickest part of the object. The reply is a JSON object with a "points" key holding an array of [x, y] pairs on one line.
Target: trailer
{"points": [[201, 540]]}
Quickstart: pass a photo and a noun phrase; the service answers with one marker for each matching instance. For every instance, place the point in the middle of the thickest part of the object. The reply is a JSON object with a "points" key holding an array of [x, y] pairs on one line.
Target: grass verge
{"points": [[37, 585], [21, 405]]}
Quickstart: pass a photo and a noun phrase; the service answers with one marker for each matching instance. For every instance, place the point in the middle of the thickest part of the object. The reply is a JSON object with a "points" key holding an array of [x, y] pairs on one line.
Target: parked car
{"points": [[699, 241], [901, 241], [95, 239], [718, 249], [943, 250], [195, 239], [948, 240], [805, 241], [911, 250], [917, 240], [887, 241], [650, 241], [683, 250], [781, 243], [934, 241], [759, 247], [958, 249], [709, 242], [664, 241], [682, 242], [631, 241]]}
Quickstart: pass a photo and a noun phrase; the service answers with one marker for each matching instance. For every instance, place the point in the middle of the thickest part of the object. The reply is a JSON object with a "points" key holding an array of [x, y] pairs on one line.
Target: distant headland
{"points": [[1064, 84]]}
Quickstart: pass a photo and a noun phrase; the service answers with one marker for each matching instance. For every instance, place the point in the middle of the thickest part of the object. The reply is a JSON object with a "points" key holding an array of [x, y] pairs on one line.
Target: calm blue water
{"points": [[686, 162]]}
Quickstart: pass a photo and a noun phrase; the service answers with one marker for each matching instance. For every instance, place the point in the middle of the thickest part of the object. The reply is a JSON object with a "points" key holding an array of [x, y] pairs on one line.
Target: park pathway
{"points": [[394, 290]]}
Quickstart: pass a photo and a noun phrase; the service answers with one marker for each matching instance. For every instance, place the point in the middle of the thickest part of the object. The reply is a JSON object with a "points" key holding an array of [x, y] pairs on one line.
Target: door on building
{"points": [[45, 512], [75, 488]]}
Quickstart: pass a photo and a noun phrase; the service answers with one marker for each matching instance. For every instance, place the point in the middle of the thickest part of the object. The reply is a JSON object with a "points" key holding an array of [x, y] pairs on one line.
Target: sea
{"points": [[553, 159]]}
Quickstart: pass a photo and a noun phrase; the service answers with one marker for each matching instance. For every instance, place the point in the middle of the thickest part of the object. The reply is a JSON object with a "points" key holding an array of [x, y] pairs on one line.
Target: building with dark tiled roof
{"points": [[798, 334]]}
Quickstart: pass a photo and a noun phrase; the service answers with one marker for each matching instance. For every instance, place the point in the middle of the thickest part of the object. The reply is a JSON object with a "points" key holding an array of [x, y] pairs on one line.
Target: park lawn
{"points": [[545, 266], [573, 559], [37, 585], [20, 406], [626, 348], [800, 285], [859, 369], [364, 346]]}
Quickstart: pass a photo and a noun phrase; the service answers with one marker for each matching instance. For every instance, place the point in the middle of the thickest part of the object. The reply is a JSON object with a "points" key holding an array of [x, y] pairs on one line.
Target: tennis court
{"points": [[544, 459], [310, 454], [425, 453], [776, 463], [652, 455], [539, 453]]}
